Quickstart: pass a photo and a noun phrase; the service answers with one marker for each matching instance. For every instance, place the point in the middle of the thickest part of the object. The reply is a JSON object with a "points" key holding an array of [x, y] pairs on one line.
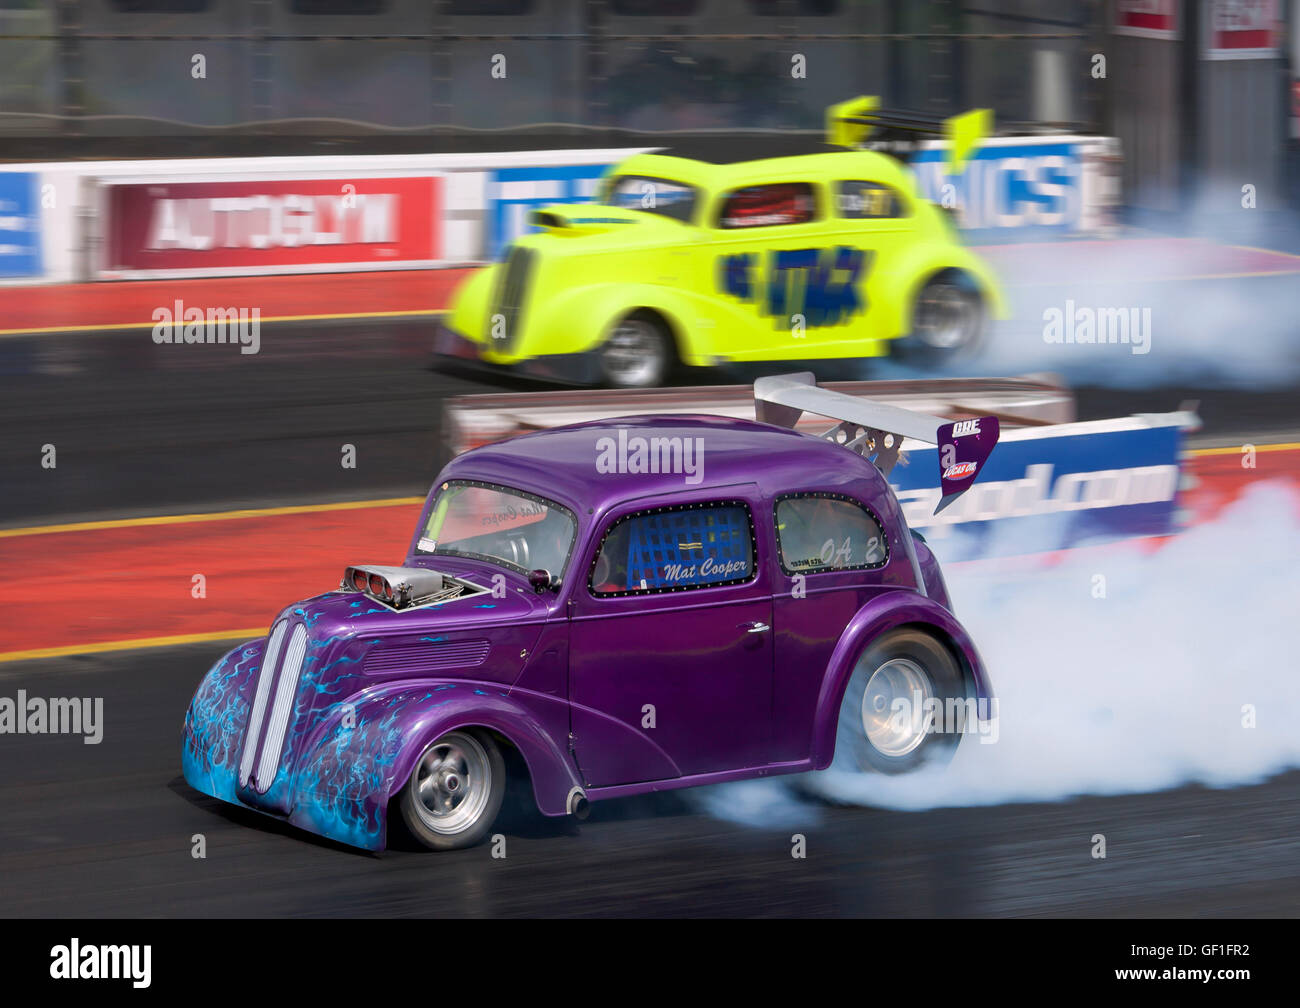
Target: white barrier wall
{"points": [[76, 227], [236, 216]]}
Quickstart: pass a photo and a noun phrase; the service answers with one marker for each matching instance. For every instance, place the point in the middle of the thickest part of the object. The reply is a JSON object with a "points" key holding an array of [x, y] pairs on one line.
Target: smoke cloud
{"points": [[1184, 672]]}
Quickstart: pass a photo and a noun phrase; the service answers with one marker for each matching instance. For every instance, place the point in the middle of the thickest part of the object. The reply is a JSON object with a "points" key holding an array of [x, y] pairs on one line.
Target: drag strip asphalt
{"points": [[108, 830]]}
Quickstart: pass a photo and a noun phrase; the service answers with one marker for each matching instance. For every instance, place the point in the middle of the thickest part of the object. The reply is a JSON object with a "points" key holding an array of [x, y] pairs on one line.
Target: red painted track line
{"points": [[86, 589], [89, 587], [122, 303]]}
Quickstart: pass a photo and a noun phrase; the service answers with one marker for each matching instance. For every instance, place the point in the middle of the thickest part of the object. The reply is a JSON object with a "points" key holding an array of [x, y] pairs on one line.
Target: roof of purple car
{"points": [[598, 464]]}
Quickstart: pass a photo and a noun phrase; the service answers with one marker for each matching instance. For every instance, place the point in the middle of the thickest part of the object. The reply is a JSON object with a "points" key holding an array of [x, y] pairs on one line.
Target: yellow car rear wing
{"points": [[860, 121]]}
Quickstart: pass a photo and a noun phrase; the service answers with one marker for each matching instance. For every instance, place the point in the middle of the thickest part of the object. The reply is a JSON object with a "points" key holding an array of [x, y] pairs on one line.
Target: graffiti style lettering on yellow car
{"points": [[822, 285]]}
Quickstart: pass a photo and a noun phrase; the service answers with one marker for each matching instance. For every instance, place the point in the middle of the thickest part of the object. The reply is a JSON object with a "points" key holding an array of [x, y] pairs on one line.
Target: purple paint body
{"points": [[745, 677]]}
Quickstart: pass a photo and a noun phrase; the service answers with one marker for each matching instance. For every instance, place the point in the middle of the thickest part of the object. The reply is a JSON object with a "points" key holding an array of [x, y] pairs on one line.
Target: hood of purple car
{"points": [[353, 640], [351, 612]]}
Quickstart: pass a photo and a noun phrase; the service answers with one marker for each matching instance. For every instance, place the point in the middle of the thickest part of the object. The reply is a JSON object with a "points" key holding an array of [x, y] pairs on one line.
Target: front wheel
{"points": [[903, 708], [638, 353], [947, 321], [455, 791]]}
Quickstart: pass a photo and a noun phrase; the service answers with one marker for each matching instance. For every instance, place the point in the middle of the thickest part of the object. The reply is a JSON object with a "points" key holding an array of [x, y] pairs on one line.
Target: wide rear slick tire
{"points": [[638, 353], [903, 708], [948, 321]]}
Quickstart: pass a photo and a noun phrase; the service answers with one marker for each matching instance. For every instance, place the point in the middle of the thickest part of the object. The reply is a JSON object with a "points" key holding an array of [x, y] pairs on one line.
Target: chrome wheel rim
{"points": [[452, 782], [896, 732], [632, 355], [945, 317]]}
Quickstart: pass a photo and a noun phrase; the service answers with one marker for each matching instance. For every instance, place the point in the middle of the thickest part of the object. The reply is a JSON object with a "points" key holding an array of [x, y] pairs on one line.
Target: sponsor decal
{"points": [[824, 285], [960, 471]]}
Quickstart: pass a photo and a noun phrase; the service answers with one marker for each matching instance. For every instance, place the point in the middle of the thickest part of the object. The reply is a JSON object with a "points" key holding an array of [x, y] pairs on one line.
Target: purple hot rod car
{"points": [[620, 607]]}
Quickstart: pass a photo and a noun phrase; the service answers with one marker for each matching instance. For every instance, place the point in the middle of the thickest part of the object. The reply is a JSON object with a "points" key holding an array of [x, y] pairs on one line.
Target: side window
{"points": [[827, 532], [866, 200], [653, 195], [768, 205], [675, 549]]}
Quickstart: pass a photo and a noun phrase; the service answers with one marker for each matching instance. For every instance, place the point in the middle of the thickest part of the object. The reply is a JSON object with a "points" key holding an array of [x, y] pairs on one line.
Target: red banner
{"points": [[1241, 29], [1147, 18], [271, 225]]}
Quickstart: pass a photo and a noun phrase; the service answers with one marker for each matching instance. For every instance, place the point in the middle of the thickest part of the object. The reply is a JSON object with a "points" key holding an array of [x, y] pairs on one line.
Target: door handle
{"points": [[758, 627]]}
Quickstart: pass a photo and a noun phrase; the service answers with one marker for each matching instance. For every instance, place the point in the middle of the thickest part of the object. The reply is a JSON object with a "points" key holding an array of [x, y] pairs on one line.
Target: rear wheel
{"points": [[896, 716], [947, 320], [455, 791], [638, 353]]}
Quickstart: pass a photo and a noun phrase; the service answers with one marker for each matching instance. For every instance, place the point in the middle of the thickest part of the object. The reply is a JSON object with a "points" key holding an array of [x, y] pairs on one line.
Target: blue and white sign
{"points": [[1085, 483], [514, 192], [20, 224], [1009, 186]]}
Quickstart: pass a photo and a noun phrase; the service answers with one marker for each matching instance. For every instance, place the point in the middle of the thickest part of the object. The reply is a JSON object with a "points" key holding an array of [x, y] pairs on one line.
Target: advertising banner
{"points": [[20, 225], [513, 192], [1241, 29], [1062, 184], [1053, 488], [1157, 19], [229, 226]]}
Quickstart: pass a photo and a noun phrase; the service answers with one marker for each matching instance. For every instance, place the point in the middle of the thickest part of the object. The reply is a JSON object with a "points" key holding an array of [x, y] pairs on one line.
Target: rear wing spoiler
{"points": [[876, 430], [862, 122]]}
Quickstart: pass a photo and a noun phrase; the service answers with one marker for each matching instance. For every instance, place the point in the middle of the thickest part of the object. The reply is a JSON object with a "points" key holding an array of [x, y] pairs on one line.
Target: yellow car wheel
{"points": [[638, 353], [947, 320]]}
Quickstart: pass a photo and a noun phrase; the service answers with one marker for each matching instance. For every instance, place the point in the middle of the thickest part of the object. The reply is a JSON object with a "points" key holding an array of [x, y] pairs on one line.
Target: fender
{"points": [[886, 612], [577, 320], [470, 303], [216, 719], [918, 265], [343, 784]]}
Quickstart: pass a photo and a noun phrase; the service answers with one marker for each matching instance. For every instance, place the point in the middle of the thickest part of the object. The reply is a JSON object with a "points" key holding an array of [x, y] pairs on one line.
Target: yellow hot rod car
{"points": [[685, 262]]}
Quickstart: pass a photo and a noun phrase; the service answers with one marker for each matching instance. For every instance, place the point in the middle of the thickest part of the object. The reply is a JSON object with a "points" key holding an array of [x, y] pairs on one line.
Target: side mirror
{"points": [[541, 580]]}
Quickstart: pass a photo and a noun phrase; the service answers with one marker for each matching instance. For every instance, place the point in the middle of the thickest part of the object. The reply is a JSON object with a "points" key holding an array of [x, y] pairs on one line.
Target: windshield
{"points": [[653, 195], [510, 527]]}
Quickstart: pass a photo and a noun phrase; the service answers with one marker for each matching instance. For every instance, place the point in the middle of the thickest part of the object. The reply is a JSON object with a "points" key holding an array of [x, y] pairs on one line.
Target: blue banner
{"points": [[20, 225], [514, 192], [1036, 186], [1040, 494]]}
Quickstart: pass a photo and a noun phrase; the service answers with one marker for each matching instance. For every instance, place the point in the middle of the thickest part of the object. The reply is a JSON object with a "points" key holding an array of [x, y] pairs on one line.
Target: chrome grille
{"points": [[277, 685], [285, 690], [509, 300], [270, 658]]}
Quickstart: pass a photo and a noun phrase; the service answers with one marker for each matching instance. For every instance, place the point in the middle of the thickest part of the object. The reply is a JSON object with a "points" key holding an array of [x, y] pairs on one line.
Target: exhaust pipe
{"points": [[578, 805]]}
